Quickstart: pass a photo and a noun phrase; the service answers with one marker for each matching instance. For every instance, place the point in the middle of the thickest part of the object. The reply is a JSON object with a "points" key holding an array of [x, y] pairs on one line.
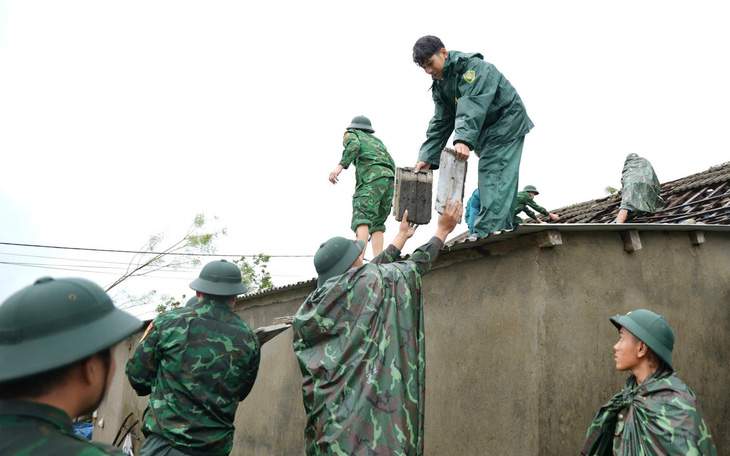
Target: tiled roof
{"points": [[700, 198]]}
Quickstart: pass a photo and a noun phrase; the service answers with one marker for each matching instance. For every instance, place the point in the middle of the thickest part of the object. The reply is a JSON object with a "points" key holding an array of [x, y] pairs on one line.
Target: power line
{"points": [[146, 253]]}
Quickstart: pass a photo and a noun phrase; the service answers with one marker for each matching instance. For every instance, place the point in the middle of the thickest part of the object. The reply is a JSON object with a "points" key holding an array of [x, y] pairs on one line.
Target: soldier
{"points": [[527, 198], [476, 102], [56, 363], [655, 413], [373, 196], [640, 189], [197, 363], [360, 344]]}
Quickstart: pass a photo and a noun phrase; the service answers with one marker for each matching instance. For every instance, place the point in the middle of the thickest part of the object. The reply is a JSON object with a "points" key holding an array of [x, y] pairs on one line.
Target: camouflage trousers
{"points": [[155, 445], [371, 204]]}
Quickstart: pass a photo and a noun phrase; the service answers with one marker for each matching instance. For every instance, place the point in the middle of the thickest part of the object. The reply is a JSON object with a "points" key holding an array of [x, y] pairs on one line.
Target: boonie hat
{"points": [[56, 322], [362, 123], [335, 256], [650, 328], [219, 278]]}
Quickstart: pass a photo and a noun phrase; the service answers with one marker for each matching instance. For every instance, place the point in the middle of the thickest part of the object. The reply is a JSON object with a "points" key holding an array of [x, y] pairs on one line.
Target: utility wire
{"points": [[146, 253]]}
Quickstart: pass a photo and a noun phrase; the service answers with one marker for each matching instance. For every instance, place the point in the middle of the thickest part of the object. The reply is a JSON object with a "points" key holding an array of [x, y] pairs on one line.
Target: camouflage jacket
{"points": [[369, 155], [523, 200], [660, 417], [196, 363], [360, 344], [640, 187], [31, 428], [476, 102]]}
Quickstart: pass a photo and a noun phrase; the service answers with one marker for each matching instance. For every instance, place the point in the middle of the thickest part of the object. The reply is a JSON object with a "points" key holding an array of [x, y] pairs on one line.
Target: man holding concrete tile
{"points": [[196, 363], [476, 102], [360, 343], [655, 413]]}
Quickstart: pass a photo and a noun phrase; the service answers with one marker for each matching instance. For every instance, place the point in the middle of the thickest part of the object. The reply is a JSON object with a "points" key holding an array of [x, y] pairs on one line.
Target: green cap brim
{"points": [[65, 347], [661, 351], [354, 250]]}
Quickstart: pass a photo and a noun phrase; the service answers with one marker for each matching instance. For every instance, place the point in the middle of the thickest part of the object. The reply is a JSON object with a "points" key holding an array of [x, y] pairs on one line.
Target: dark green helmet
{"points": [[361, 123], [335, 257], [650, 328], [530, 188], [56, 322], [219, 278]]}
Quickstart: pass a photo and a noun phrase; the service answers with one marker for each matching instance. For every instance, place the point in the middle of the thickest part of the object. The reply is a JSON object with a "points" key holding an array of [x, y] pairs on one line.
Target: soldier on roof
{"points": [[373, 196], [640, 189], [478, 104]]}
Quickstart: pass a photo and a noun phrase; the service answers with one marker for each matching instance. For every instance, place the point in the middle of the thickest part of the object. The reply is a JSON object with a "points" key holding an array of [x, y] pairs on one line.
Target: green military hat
{"points": [[361, 123], [650, 328], [335, 256], [219, 278], [632, 155], [55, 322], [530, 188]]}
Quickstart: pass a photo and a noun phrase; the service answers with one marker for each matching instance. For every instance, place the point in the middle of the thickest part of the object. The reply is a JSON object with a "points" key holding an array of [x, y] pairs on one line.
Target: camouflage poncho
{"points": [[360, 344], [660, 417], [640, 188], [196, 363]]}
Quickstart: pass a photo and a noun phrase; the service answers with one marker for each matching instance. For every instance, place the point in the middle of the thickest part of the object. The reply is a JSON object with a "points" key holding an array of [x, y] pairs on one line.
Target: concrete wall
{"points": [[518, 343]]}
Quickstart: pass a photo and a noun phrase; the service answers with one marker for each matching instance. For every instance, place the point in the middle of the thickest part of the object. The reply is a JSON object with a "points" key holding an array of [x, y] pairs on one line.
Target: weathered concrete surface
{"points": [[518, 343]]}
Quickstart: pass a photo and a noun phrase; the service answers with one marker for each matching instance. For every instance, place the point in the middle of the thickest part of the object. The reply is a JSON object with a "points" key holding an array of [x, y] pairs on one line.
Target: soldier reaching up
{"points": [[359, 338]]}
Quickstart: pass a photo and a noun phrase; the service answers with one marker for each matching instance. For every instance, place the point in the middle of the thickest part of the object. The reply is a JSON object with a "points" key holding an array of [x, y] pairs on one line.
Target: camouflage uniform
{"points": [[197, 362], [32, 428], [640, 187], [524, 199], [660, 417], [375, 173], [359, 339]]}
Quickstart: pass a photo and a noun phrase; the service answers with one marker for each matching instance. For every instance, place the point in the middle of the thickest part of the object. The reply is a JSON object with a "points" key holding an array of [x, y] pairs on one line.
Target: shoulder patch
{"points": [[469, 76], [152, 323], [346, 135]]}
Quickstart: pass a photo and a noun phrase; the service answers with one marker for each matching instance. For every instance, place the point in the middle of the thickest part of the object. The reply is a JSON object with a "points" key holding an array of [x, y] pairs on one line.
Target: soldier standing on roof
{"points": [[197, 363], [56, 363], [373, 196], [476, 102], [655, 413], [640, 189], [360, 344]]}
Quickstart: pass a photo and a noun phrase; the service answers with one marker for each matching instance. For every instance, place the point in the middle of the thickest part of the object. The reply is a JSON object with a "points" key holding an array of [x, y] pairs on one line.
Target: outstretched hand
{"points": [[405, 232], [448, 220], [334, 174], [407, 228]]}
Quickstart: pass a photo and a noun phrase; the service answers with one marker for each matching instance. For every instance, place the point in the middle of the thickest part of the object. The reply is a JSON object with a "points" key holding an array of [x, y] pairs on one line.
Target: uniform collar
{"points": [[55, 416], [213, 303]]}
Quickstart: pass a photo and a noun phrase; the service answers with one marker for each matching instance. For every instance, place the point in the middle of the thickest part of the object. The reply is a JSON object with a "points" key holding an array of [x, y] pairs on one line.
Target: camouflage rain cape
{"points": [[640, 188], [360, 344], [660, 417]]}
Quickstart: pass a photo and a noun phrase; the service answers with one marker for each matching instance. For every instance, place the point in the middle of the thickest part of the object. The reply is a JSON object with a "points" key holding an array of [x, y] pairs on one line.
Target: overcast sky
{"points": [[119, 120]]}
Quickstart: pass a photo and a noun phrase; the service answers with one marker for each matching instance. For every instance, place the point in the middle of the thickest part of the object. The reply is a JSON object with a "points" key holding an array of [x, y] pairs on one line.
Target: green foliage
{"points": [[610, 190], [255, 273]]}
